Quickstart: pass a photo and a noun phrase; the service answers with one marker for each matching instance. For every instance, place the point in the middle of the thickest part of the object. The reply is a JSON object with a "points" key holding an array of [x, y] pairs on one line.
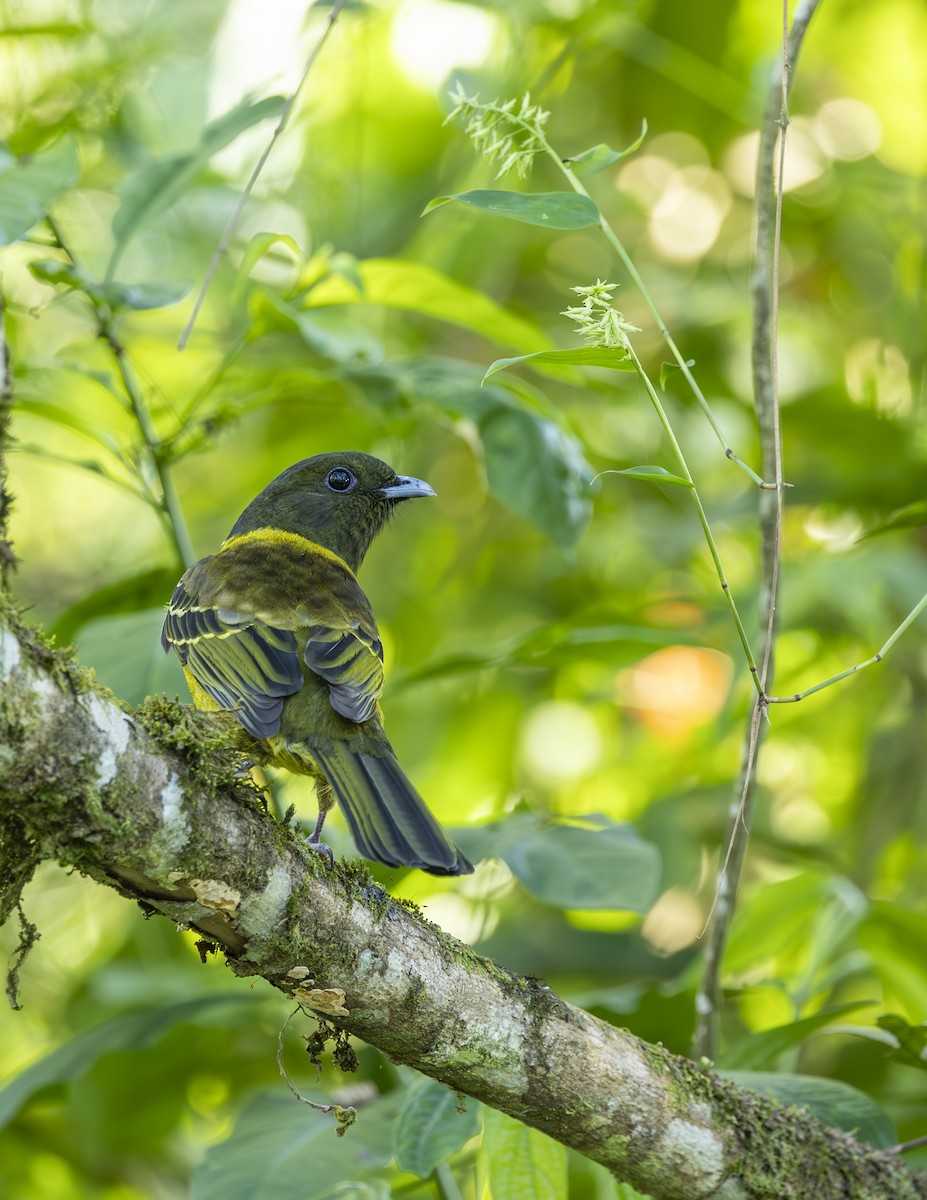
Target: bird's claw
{"points": [[322, 848]]}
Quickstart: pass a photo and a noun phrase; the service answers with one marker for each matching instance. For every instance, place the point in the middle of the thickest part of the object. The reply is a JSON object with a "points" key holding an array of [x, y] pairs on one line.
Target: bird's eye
{"points": [[340, 479]]}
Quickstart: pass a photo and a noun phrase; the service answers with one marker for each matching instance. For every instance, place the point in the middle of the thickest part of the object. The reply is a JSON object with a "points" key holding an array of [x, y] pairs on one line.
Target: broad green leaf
{"points": [[28, 185], [572, 866], [522, 1163], [161, 182], [555, 210], [57, 271], [432, 1127], [126, 653], [760, 1051], [137, 1032], [283, 1150], [832, 1101], [140, 297], [652, 475], [258, 247], [416, 287], [125, 596], [583, 356], [537, 469], [597, 158], [69, 419]]}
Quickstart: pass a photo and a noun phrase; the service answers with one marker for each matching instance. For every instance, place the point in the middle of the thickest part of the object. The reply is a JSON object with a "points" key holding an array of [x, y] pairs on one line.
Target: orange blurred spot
{"points": [[676, 690]]}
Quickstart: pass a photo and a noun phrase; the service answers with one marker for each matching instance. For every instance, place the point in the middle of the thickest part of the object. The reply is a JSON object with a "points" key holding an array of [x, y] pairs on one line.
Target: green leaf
{"points": [[584, 356], [28, 185], [415, 287], [555, 210], [432, 1127], [125, 596], [282, 1150], [911, 1040], [761, 1050], [140, 297], [72, 1059], [522, 1163], [161, 182], [668, 369], [597, 158], [126, 653], [57, 271], [830, 1100], [652, 475], [537, 469]]}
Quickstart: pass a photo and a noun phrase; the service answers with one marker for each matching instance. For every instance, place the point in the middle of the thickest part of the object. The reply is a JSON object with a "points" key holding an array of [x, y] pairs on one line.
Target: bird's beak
{"points": [[406, 488]]}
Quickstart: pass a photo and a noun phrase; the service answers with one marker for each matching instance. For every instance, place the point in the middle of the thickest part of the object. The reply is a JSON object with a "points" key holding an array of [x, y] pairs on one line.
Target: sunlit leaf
{"points": [[432, 1126], [161, 182], [522, 1163], [28, 185], [597, 158], [555, 210], [417, 287], [832, 1101], [911, 1040], [283, 1150], [125, 596], [140, 1031], [584, 356]]}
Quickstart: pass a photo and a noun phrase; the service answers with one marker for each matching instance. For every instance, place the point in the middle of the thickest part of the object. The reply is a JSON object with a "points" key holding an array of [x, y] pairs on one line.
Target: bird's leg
{"points": [[326, 799]]}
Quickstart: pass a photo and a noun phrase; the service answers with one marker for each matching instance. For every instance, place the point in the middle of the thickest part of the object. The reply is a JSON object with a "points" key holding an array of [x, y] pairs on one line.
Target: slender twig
{"points": [[765, 384], [7, 557], [258, 168], [171, 510], [322, 1108], [702, 516]]}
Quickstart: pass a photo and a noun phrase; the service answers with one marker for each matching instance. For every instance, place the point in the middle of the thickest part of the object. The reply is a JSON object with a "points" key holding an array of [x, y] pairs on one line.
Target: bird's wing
{"points": [[241, 621]]}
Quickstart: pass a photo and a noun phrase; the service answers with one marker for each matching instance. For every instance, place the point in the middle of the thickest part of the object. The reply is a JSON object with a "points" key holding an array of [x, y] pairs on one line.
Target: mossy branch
{"points": [[148, 803]]}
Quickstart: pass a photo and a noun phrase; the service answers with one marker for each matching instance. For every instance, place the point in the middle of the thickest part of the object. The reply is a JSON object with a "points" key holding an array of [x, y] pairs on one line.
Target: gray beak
{"points": [[407, 487]]}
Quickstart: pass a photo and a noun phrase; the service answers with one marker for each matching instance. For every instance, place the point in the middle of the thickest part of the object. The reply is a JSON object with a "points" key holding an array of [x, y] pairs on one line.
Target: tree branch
{"points": [[148, 804]]}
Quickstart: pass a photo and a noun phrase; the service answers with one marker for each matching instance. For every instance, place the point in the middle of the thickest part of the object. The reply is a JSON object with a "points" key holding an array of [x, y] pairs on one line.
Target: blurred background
{"points": [[554, 647]]}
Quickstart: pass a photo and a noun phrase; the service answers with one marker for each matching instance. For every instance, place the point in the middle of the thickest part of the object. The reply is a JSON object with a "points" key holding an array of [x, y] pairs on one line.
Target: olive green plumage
{"points": [[275, 628]]}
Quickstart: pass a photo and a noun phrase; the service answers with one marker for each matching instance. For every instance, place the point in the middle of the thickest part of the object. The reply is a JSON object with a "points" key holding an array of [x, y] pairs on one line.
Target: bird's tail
{"points": [[388, 818]]}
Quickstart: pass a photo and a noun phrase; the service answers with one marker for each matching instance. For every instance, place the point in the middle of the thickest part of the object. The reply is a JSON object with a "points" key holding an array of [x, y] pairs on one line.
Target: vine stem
{"points": [[765, 288], [258, 168], [169, 507], [702, 515]]}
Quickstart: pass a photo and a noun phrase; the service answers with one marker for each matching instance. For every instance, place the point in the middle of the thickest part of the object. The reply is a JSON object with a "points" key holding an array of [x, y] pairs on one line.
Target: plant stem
{"points": [[702, 515], [765, 385]]}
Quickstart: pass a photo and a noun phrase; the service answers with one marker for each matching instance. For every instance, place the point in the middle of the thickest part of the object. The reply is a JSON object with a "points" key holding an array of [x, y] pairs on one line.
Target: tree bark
{"points": [[148, 803]]}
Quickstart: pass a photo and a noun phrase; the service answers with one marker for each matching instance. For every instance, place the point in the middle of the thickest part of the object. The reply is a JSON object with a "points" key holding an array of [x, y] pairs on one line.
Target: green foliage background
{"points": [[554, 649]]}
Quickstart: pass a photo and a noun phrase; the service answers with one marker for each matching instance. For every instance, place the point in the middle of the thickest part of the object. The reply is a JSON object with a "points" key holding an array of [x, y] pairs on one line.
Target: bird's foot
{"points": [[322, 848]]}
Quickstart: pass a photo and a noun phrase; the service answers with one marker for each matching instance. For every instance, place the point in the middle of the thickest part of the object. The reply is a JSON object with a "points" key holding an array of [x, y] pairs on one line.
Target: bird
{"points": [[275, 629]]}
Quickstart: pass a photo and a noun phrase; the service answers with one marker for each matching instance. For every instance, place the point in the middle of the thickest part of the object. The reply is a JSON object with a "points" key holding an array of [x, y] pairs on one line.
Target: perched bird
{"points": [[275, 628]]}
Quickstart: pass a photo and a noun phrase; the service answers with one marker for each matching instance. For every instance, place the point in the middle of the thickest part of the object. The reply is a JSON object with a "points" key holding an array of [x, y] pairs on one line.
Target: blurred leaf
{"points": [[830, 1100], [583, 356], [537, 469], [597, 158], [28, 185], [433, 1126], [71, 419], [911, 1040], [283, 1150], [140, 297], [522, 1163], [912, 516], [571, 866], [416, 287], [125, 652], [759, 1051], [140, 1031], [125, 596], [59, 271], [652, 475], [161, 182], [555, 210]]}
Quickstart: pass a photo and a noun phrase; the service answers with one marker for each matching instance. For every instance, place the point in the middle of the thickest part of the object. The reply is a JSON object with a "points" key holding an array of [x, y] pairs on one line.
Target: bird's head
{"points": [[339, 500]]}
